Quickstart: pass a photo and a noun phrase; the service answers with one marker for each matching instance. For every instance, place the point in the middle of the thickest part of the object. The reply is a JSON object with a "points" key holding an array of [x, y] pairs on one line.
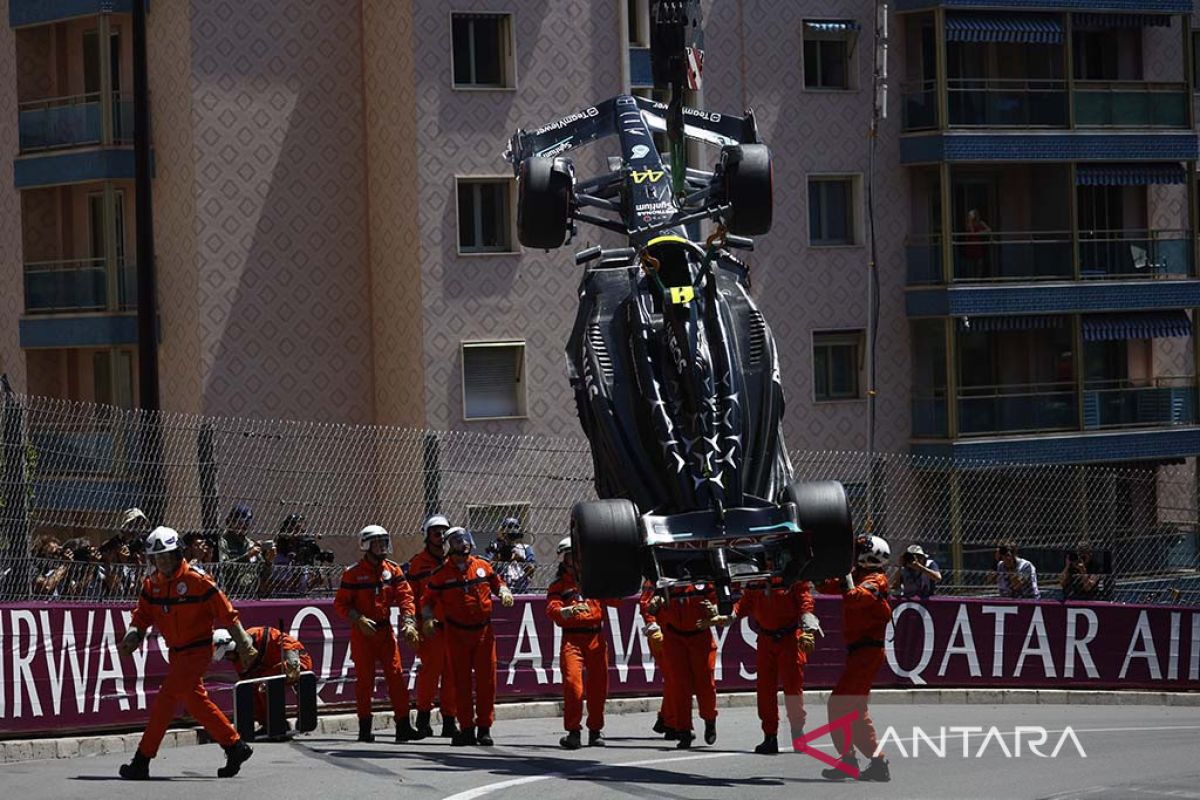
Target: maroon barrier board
{"points": [[59, 669]]}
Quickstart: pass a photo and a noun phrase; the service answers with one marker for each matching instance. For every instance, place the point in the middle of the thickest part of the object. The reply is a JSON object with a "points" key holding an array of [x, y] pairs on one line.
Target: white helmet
{"points": [[162, 540], [564, 546], [435, 521], [222, 643], [456, 535], [370, 534], [873, 551]]}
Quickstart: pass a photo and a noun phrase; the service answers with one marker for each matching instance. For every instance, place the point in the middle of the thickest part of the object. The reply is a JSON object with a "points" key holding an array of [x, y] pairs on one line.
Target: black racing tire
{"points": [[543, 202], [606, 541], [826, 542], [749, 189]]}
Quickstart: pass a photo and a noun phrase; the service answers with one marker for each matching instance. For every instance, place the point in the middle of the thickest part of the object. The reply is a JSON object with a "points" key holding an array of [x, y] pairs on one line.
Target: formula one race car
{"points": [[674, 368]]}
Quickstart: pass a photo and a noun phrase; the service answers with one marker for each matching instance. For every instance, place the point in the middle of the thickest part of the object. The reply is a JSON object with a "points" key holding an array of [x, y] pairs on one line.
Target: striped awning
{"points": [[1018, 322], [834, 26], [1140, 325], [1003, 28], [1122, 21], [1149, 174]]}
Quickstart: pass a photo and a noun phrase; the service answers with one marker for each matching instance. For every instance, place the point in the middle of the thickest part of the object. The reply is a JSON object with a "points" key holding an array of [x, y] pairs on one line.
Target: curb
{"points": [[78, 746]]}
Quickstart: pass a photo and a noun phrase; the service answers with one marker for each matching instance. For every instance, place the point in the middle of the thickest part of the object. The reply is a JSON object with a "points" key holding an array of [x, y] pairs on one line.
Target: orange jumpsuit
{"points": [[372, 589], [692, 653], [270, 644], [184, 608], [462, 601], [432, 650], [777, 613], [865, 616], [583, 646], [665, 709]]}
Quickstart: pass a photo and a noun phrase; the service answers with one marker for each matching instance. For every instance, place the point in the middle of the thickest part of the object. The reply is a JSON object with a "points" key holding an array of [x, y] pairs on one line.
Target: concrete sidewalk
{"points": [[92, 745]]}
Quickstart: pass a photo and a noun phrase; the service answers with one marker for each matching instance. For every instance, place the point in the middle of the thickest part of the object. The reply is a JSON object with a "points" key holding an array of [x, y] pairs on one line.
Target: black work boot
{"points": [[769, 746], [136, 770], [570, 741], [659, 725], [685, 740], [877, 770], [595, 739], [424, 729], [484, 739], [835, 774], [710, 731], [364, 730], [235, 755], [463, 738], [405, 731], [449, 727], [671, 735]]}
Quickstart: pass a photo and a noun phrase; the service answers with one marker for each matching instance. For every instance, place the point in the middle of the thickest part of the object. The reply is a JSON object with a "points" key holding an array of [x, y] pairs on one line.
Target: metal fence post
{"points": [[210, 514], [14, 519], [432, 473]]}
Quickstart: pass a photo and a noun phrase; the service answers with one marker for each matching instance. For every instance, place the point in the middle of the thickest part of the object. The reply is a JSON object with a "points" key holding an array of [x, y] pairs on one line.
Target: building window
{"points": [[831, 217], [493, 380], [837, 364], [483, 51], [639, 22], [483, 521], [828, 47], [485, 215]]}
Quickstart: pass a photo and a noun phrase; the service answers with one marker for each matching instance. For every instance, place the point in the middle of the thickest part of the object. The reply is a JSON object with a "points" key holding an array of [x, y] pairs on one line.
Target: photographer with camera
{"points": [[1015, 577], [1082, 577], [53, 567], [919, 574], [117, 576], [84, 581], [294, 557], [513, 560]]}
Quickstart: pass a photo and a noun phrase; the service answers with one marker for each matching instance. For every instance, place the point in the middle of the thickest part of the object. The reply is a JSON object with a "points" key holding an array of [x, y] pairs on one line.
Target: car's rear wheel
{"points": [[606, 541], [825, 546], [748, 188], [543, 202]]}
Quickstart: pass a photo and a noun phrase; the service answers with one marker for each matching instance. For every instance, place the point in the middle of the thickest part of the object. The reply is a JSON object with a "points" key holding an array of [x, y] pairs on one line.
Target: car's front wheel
{"points": [[543, 202], [606, 542], [749, 188], [825, 547]]}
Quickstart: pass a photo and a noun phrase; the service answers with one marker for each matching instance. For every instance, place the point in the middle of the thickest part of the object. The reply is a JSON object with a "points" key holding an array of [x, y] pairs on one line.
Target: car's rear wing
{"points": [[603, 120]]}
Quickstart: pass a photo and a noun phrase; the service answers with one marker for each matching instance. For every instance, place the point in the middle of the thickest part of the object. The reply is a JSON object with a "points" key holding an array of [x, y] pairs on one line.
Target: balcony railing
{"points": [[1168, 400], [1135, 254], [75, 121], [919, 105], [1017, 408], [56, 287], [1050, 255], [1130, 104], [93, 448], [1013, 103]]}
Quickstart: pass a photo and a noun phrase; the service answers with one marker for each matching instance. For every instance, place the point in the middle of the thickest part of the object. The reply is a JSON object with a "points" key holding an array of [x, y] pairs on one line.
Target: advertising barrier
{"points": [[59, 669]]}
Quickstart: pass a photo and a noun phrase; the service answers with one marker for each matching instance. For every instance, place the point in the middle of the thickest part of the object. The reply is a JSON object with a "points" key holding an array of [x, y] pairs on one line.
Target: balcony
{"points": [[58, 287], [1016, 408], [1027, 256], [1130, 104], [1012, 103], [57, 123], [1133, 404]]}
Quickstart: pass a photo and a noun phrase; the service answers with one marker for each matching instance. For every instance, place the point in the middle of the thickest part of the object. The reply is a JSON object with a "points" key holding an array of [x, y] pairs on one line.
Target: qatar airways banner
{"points": [[59, 669]]}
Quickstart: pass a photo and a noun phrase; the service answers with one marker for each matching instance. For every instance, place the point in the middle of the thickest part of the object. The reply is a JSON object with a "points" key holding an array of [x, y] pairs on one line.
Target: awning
{"points": [[1010, 323], [1003, 28], [1130, 174], [1122, 20], [1141, 325], [832, 25]]}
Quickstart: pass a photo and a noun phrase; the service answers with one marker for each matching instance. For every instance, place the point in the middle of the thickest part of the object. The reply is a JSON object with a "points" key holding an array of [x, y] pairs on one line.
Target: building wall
{"points": [[12, 286], [280, 212]]}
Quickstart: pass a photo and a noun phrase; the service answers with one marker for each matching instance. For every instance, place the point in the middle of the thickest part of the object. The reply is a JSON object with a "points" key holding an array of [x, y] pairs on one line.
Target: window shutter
{"points": [[492, 376]]}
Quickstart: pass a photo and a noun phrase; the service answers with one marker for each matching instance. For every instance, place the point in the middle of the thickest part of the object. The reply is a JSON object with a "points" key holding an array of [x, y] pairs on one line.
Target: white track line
{"points": [[481, 791]]}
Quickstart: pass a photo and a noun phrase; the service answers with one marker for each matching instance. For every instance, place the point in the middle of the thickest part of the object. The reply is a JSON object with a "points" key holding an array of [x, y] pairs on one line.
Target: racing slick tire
{"points": [[825, 548], [748, 188], [606, 541], [543, 202]]}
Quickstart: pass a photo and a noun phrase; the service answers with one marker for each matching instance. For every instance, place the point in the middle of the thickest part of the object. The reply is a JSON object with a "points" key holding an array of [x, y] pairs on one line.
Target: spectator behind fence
{"points": [[117, 574], [1084, 575], [294, 556], [198, 548], [512, 560], [84, 569], [135, 527], [1015, 576], [919, 574], [242, 560], [53, 570]]}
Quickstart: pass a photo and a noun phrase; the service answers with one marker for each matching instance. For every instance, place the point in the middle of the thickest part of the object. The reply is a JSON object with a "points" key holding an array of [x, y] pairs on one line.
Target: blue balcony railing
{"points": [[999, 103], [1130, 104], [1017, 408], [56, 287], [1135, 254], [63, 122], [1122, 404]]}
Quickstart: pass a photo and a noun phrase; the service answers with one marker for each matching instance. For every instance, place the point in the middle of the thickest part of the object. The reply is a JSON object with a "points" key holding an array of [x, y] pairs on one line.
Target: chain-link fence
{"points": [[70, 469]]}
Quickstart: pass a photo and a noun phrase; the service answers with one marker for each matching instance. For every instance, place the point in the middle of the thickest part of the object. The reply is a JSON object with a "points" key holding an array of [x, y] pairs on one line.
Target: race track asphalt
{"points": [[1131, 752]]}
